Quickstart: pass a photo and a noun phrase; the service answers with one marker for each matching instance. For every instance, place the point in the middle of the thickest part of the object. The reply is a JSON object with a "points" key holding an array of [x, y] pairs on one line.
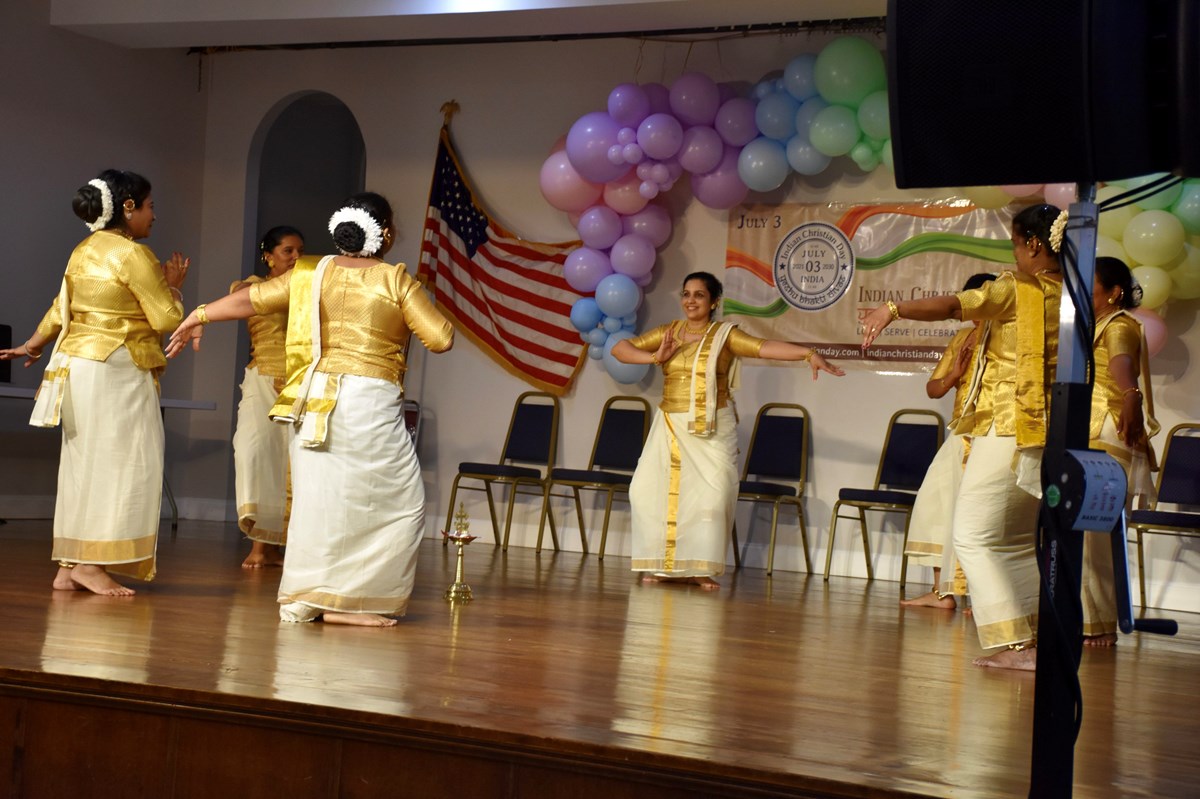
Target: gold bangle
{"points": [[201, 315], [66, 564], [1022, 647], [29, 353], [891, 306], [1131, 390]]}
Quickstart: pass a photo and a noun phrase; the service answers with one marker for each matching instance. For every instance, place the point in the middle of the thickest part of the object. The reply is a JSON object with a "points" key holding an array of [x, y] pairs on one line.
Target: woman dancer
{"points": [[101, 382], [260, 447], [684, 490], [358, 513], [995, 516]]}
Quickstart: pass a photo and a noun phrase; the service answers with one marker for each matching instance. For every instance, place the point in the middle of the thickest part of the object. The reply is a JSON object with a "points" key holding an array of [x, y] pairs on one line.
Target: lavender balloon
{"points": [[722, 188], [588, 143], [653, 222], [585, 268], [660, 136], [701, 149], [632, 255], [599, 226], [694, 98], [628, 104], [735, 121]]}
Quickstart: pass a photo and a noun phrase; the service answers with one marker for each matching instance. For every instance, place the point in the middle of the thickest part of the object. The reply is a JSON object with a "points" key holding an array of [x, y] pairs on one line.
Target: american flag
{"points": [[506, 294]]}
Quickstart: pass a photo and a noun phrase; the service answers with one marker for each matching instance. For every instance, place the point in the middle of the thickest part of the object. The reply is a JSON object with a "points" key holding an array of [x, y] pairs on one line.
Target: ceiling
{"points": [[249, 23]]}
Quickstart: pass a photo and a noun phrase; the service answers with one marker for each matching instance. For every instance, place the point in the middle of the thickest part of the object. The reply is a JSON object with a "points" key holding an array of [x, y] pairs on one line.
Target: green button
{"points": [[1053, 496]]}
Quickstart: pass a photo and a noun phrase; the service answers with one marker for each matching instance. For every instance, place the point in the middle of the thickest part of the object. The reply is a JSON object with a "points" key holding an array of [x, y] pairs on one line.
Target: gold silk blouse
{"points": [[268, 336], [118, 296], [961, 390], [997, 399], [361, 331], [1121, 334], [677, 371]]}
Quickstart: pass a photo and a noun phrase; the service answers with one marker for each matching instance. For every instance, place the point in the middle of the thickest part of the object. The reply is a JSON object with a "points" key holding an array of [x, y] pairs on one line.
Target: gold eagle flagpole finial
{"points": [[449, 109]]}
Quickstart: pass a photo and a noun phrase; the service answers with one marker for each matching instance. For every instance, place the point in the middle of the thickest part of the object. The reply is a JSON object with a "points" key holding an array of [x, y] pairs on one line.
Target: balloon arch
{"points": [[613, 164]]}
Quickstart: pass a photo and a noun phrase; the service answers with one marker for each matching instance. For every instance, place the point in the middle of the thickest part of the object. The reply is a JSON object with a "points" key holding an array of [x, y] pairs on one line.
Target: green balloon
{"points": [[1158, 201], [834, 131], [873, 115], [848, 69], [1187, 207]]}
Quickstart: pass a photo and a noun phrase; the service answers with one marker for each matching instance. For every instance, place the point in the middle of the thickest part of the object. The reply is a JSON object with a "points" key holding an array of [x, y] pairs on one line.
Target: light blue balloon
{"points": [[834, 130], [763, 88], [622, 372], [597, 336], [629, 319], [798, 78], [804, 158], [808, 110], [775, 115], [763, 164], [612, 323], [585, 314], [595, 353], [629, 326], [617, 295]]}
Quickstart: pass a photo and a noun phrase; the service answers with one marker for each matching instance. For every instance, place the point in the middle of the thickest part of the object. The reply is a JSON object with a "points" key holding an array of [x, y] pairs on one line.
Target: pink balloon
{"points": [[659, 97], [632, 255], [584, 268], [735, 121], [599, 226], [588, 143], [721, 188], [563, 187], [660, 136], [1022, 189], [694, 98], [628, 104], [1060, 195], [701, 149], [622, 195], [653, 222], [1155, 329]]}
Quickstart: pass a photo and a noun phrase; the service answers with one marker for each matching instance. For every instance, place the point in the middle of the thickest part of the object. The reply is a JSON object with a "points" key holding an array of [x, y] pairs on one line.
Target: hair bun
{"points": [[349, 237]]}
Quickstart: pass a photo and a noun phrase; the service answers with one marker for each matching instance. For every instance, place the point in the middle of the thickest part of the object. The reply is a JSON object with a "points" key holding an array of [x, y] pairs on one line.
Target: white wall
{"points": [[516, 100]]}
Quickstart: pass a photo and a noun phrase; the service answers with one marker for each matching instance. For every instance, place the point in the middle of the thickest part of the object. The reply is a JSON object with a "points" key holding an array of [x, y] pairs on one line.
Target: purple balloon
{"points": [[632, 255], [660, 136], [735, 121], [585, 268], [628, 104], [652, 222], [626, 136], [599, 226], [588, 143], [723, 187], [659, 96], [694, 98], [648, 189], [659, 173], [616, 154], [644, 280], [701, 149], [632, 153]]}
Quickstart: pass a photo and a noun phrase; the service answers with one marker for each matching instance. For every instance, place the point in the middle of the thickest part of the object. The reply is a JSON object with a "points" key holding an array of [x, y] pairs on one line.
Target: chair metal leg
{"points": [[804, 538], [904, 554], [487, 487], [737, 553], [604, 529], [832, 532], [579, 513], [1137, 537], [512, 499], [862, 525], [771, 546], [542, 520]]}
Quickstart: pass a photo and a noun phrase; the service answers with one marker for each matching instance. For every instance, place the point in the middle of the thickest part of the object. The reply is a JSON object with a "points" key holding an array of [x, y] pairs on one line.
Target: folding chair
{"points": [[908, 449], [532, 439], [1179, 485], [615, 452], [778, 449], [412, 419]]}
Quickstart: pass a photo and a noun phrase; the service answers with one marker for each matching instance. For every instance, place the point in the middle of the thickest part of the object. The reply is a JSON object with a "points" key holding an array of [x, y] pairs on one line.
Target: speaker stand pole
{"points": [[1060, 611]]}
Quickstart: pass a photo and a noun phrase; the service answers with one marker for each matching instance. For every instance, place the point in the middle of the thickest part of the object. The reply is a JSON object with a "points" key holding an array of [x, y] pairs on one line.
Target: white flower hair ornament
{"points": [[106, 205], [370, 230], [1057, 228]]}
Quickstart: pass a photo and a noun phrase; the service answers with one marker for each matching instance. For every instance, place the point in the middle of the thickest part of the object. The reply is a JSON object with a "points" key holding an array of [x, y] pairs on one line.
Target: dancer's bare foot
{"points": [[359, 619], [705, 583], [263, 556], [1102, 640], [1016, 659], [931, 600], [89, 577]]}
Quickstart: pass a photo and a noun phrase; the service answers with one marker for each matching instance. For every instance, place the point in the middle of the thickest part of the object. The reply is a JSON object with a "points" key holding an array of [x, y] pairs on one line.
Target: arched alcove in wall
{"points": [[306, 156]]}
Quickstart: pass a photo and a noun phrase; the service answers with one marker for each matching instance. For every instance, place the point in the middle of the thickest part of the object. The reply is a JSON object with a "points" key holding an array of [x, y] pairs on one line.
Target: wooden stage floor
{"points": [[564, 677]]}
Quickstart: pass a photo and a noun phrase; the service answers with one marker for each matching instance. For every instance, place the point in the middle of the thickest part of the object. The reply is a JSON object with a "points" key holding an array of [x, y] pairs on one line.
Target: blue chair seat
{"points": [[876, 496], [1164, 518], [766, 489], [498, 470], [590, 476]]}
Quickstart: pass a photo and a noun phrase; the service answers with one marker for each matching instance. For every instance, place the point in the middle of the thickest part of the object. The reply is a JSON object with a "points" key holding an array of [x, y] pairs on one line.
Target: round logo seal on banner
{"points": [[814, 266]]}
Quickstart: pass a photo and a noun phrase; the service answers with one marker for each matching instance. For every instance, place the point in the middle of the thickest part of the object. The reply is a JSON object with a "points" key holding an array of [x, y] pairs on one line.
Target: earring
{"points": [[128, 205], [1110, 301]]}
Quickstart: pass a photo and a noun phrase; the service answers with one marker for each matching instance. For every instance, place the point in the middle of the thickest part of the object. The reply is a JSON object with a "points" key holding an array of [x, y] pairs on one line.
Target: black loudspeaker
{"points": [[1040, 91]]}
